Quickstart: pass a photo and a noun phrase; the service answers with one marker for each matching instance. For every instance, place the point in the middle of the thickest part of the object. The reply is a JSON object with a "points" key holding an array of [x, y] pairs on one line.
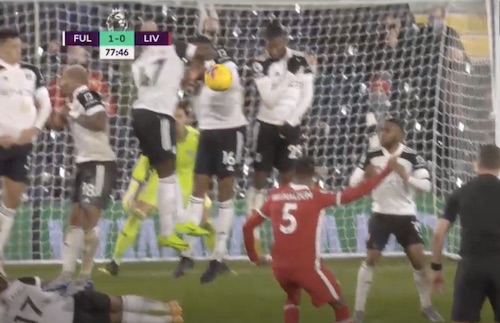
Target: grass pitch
{"points": [[251, 295]]}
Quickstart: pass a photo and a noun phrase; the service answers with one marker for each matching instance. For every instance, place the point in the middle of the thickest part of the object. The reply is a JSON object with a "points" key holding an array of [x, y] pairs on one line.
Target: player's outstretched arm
{"points": [[351, 194], [255, 220]]}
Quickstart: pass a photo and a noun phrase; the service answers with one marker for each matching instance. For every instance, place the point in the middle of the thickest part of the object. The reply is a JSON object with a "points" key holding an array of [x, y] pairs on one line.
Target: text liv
{"points": [[151, 38]]}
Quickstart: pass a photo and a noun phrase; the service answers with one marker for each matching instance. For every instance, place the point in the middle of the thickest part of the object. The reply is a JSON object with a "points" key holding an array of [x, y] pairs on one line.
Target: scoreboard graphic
{"points": [[116, 45]]}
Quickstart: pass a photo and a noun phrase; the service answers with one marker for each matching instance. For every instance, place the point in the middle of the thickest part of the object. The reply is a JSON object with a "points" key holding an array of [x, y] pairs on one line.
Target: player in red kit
{"points": [[296, 217]]}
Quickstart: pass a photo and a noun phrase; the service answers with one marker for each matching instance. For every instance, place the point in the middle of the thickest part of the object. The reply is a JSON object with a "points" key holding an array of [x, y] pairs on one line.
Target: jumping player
{"points": [[23, 300], [158, 73], [285, 82], [295, 212], [140, 199], [21, 86], [96, 170], [394, 212]]}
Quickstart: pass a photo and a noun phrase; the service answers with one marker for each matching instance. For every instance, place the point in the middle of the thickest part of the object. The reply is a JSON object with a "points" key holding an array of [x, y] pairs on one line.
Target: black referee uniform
{"points": [[478, 272]]}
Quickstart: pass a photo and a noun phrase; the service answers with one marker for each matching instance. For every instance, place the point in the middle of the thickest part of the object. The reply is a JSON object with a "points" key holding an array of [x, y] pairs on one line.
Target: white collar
{"points": [[7, 65]]}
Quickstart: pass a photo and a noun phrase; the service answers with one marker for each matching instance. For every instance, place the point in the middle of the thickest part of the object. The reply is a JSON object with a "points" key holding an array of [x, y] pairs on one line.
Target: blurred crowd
{"points": [[375, 59]]}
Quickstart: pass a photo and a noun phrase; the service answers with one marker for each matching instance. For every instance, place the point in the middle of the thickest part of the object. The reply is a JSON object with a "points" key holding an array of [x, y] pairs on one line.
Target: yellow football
{"points": [[218, 77]]}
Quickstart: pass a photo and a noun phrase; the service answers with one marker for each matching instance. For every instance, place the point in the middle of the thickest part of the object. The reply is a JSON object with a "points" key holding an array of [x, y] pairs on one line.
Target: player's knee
{"points": [[415, 253], [92, 214], [225, 189], [201, 185], [165, 168], [115, 317], [13, 192], [141, 210], [115, 304], [372, 258]]}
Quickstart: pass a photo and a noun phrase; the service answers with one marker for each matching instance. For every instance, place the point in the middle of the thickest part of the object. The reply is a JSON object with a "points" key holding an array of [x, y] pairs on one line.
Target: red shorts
{"points": [[319, 283]]}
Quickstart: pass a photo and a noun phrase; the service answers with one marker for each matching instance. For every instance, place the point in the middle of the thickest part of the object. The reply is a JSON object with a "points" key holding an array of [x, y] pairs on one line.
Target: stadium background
{"points": [[446, 103]]}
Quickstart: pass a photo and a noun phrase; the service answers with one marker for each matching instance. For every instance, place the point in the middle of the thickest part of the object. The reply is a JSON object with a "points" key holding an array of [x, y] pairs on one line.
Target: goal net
{"points": [[371, 58]]}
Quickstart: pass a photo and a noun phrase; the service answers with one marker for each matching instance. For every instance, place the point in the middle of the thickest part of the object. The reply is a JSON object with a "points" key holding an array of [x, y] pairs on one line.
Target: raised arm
{"points": [[95, 116], [256, 219]]}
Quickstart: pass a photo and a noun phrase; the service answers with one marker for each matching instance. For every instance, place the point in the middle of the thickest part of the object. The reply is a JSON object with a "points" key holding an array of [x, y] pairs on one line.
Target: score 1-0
{"points": [[117, 45]]}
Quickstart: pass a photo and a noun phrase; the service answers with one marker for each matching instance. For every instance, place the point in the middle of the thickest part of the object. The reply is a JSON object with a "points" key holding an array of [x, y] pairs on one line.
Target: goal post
{"points": [[438, 81]]}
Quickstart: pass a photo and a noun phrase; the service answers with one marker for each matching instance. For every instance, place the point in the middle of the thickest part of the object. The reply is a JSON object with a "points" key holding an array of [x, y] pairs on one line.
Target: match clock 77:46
{"points": [[117, 52]]}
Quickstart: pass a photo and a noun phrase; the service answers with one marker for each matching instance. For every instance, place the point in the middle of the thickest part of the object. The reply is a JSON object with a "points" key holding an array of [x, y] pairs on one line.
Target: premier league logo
{"points": [[117, 21]]}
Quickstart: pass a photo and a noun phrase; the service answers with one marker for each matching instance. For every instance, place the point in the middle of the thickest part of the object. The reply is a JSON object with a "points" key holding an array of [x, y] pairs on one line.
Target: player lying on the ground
{"points": [[285, 82], [478, 272], [96, 170], [394, 212], [140, 199], [295, 211], [222, 127], [158, 73], [23, 300], [20, 122]]}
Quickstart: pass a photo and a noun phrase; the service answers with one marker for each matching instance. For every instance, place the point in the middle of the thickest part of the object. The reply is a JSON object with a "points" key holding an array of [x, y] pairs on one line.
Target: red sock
{"points": [[291, 313], [342, 314]]}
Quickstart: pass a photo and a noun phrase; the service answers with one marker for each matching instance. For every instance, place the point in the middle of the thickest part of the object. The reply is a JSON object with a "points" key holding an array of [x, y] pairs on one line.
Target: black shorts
{"points": [[220, 151], [14, 162], [405, 228], [271, 150], [156, 134], [476, 279], [91, 306], [94, 182]]}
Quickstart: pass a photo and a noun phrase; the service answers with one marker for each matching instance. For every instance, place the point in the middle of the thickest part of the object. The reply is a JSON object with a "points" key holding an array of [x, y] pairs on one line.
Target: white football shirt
{"points": [[18, 88], [274, 82], [392, 196], [89, 145], [27, 303], [221, 109], [158, 72]]}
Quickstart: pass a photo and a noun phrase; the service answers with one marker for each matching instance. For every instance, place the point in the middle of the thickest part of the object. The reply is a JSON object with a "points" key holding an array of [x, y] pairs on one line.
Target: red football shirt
{"points": [[295, 214]]}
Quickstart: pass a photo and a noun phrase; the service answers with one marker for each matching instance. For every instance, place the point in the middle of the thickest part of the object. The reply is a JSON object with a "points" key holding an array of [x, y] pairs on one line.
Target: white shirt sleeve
{"points": [[420, 180], [356, 177], [44, 107], [306, 96]]}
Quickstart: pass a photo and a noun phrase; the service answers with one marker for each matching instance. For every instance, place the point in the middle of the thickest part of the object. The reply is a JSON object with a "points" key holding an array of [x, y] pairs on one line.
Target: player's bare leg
{"points": [[11, 198], [132, 309], [415, 253], [255, 197], [194, 213], [74, 244], [224, 224], [341, 311], [91, 216], [365, 278]]}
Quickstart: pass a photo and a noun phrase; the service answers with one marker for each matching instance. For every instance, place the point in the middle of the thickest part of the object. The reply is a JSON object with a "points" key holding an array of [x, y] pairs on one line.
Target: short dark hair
{"points": [[305, 167], [8, 34], [489, 157], [274, 30]]}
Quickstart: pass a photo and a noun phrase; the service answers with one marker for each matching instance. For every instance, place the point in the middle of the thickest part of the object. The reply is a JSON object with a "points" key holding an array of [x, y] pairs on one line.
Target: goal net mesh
{"points": [[381, 59]]}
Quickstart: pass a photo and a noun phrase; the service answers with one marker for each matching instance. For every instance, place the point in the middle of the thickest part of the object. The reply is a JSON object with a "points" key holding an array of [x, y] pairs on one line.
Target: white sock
{"points": [[145, 318], [138, 304], [365, 277], [180, 212], [224, 225], [423, 287], [6, 223], [194, 213], [255, 200], [91, 239], [72, 249], [167, 204]]}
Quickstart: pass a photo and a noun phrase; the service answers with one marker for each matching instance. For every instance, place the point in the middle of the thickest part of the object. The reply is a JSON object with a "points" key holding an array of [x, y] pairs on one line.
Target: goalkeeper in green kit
{"points": [[140, 199]]}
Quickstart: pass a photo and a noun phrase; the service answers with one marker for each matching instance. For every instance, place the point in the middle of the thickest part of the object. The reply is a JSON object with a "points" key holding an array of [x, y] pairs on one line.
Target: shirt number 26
{"points": [[290, 222]]}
